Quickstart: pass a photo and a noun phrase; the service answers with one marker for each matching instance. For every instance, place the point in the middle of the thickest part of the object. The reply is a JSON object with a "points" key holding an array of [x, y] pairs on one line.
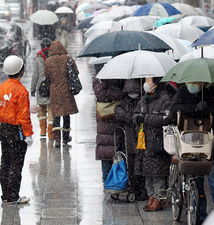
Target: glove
{"points": [[139, 118], [29, 141], [33, 94], [201, 106]]}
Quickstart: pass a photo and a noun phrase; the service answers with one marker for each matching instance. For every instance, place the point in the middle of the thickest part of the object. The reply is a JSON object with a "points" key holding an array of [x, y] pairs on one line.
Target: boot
{"points": [[57, 137], [66, 136], [50, 131], [150, 201], [154, 206], [43, 127]]}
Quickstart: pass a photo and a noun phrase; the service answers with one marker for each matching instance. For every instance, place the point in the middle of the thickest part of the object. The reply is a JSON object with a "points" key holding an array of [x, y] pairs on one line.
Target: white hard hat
{"points": [[12, 65]]}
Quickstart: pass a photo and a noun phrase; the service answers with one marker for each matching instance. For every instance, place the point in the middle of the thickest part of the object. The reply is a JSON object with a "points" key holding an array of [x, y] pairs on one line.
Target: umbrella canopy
{"points": [[100, 60], [64, 9], [118, 42], [197, 21], [208, 52], [44, 17], [194, 70], [164, 20], [206, 39], [181, 31], [93, 7], [136, 23], [84, 24], [157, 9], [185, 9], [97, 12], [137, 64], [82, 7]]}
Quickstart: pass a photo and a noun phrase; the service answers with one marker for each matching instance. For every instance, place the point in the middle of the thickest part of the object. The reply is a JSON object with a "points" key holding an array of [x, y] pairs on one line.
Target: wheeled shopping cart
{"points": [[120, 156]]}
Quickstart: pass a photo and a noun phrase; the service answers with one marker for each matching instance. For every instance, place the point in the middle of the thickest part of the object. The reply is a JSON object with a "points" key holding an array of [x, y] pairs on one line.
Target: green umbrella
{"points": [[194, 70], [164, 20]]}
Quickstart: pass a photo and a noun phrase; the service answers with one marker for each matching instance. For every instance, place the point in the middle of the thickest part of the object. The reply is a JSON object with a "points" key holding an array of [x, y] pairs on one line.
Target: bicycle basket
{"points": [[196, 145]]}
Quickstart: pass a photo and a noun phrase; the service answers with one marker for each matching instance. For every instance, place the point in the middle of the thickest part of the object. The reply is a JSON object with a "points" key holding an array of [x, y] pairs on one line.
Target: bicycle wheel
{"points": [[176, 192], [192, 204]]}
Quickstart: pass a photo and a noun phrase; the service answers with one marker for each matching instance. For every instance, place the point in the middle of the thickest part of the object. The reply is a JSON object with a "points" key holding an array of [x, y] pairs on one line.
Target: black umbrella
{"points": [[115, 43], [85, 24]]}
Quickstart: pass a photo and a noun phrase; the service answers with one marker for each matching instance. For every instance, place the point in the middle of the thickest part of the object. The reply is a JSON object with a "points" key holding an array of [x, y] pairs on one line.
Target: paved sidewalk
{"points": [[65, 185]]}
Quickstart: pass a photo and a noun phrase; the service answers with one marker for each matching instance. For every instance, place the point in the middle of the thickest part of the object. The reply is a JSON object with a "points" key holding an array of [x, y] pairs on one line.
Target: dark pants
{"points": [[12, 161], [66, 121], [106, 167]]}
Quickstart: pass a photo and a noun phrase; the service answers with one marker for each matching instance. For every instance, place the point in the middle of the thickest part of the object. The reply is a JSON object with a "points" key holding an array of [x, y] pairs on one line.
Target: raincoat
{"points": [[14, 105], [62, 101], [39, 76]]}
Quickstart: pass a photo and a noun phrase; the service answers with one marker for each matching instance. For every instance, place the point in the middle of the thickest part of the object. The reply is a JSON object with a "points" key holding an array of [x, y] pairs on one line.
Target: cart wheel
{"points": [[131, 197], [115, 196]]}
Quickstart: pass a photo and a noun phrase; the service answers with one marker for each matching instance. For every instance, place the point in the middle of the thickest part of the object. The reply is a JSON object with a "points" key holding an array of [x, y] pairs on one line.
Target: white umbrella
{"points": [[178, 47], [208, 52], [44, 17], [64, 9], [185, 9], [137, 64], [103, 25], [61, 1], [103, 17], [137, 23], [100, 60], [181, 31], [197, 21]]}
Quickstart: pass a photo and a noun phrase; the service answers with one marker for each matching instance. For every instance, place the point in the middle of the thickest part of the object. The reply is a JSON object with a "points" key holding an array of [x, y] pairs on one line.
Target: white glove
{"points": [[29, 141]]}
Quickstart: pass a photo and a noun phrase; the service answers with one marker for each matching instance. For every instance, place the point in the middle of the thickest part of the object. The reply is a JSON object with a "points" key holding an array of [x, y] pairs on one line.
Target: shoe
{"points": [[21, 200], [4, 200], [65, 141], [57, 144], [149, 203], [154, 206]]}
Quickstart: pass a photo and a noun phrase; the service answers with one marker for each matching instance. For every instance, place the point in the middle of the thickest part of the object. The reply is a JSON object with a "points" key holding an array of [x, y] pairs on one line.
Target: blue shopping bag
{"points": [[117, 178]]}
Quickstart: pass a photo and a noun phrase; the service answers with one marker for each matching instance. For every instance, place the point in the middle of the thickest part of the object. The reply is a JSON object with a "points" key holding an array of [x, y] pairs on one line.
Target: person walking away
{"points": [[62, 101], [106, 91], [62, 31], [123, 113], [15, 130], [46, 124], [154, 161], [195, 100]]}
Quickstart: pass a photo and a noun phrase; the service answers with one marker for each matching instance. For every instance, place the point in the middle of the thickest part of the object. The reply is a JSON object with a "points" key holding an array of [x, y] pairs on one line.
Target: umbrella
{"points": [[206, 39], [97, 12], [208, 52], [194, 70], [100, 60], [82, 7], [157, 9], [84, 24], [185, 9], [137, 64], [92, 8], [197, 21], [64, 9], [44, 17], [181, 31], [114, 43], [164, 20]]}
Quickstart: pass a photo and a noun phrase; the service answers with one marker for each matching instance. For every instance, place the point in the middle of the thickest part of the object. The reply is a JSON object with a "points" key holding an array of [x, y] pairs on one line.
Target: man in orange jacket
{"points": [[15, 130]]}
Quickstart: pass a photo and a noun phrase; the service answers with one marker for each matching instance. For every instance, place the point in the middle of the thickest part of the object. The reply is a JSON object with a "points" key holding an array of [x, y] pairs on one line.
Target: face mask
{"points": [[147, 88], [133, 95], [193, 88]]}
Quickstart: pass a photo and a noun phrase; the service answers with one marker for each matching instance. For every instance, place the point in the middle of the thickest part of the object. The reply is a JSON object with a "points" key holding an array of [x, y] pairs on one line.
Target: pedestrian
{"points": [[46, 123], [195, 101], [15, 130], [154, 161], [62, 101], [106, 91], [124, 113], [62, 31]]}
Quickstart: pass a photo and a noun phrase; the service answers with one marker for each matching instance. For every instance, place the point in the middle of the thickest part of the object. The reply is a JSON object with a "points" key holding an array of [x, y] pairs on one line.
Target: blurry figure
{"points": [[106, 91], [15, 130], [123, 113], [62, 100], [62, 31], [154, 161], [52, 5], [46, 123], [47, 31]]}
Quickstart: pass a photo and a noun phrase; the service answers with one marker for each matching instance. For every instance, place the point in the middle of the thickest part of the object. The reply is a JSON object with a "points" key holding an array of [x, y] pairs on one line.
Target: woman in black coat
{"points": [[154, 162]]}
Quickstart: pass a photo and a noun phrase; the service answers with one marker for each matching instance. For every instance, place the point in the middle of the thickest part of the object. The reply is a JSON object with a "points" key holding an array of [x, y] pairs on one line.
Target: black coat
{"points": [[154, 161]]}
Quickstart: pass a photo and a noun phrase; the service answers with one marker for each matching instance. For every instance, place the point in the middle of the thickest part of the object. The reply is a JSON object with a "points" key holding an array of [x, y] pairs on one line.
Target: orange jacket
{"points": [[14, 105]]}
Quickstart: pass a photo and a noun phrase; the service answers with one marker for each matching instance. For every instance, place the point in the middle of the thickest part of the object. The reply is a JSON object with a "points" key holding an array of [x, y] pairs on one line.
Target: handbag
{"points": [[105, 110], [141, 143], [74, 83], [117, 178], [44, 88]]}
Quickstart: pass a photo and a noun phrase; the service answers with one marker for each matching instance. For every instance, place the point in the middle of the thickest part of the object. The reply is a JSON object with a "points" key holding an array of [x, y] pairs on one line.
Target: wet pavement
{"points": [[65, 185]]}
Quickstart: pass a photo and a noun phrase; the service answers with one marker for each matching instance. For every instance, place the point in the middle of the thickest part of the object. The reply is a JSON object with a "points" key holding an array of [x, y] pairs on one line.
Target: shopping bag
{"points": [[117, 178], [105, 110], [141, 144]]}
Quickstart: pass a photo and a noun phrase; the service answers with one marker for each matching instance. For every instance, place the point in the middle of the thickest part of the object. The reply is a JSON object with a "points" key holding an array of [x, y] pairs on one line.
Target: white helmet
{"points": [[12, 65]]}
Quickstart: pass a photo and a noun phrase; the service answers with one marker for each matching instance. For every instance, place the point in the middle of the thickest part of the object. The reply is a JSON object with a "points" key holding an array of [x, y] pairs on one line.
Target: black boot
{"points": [[57, 137], [66, 136]]}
